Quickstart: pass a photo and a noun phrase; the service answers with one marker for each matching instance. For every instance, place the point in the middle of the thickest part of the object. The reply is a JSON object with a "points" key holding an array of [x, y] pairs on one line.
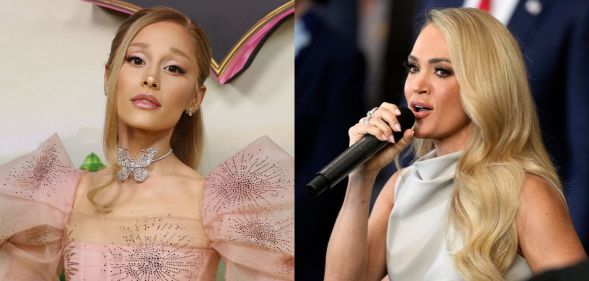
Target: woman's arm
{"points": [[546, 234], [357, 247], [377, 230]]}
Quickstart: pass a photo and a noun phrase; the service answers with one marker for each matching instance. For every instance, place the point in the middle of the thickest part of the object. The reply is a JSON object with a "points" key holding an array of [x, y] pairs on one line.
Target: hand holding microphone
{"points": [[371, 145]]}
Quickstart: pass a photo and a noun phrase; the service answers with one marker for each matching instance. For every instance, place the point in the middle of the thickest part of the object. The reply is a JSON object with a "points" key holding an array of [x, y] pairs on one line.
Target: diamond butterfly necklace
{"points": [[138, 168]]}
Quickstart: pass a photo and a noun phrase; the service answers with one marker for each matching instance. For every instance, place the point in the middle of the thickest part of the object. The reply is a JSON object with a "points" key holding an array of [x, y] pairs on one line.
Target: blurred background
{"points": [[348, 59]]}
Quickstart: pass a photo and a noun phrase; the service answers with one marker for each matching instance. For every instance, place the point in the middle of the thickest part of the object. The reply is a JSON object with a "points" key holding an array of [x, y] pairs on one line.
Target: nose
{"points": [[419, 83], [151, 82]]}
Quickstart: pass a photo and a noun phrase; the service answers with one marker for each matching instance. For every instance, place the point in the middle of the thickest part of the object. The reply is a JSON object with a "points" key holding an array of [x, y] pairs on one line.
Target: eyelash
{"points": [[443, 72], [410, 67], [135, 60], [179, 70], [438, 70]]}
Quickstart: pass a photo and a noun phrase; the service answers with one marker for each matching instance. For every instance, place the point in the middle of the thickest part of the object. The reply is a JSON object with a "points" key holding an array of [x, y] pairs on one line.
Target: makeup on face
{"points": [[145, 101], [158, 79], [431, 88]]}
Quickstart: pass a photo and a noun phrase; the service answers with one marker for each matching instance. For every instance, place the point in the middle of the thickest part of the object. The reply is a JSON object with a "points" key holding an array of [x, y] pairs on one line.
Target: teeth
{"points": [[419, 108]]}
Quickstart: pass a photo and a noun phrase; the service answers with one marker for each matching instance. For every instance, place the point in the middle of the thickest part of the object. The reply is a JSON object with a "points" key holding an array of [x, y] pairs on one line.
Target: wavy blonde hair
{"points": [[187, 139], [505, 142]]}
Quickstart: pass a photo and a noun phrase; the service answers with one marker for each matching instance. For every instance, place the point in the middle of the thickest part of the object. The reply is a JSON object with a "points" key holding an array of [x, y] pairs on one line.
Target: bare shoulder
{"points": [[185, 179], [541, 204], [546, 234], [189, 175], [538, 194]]}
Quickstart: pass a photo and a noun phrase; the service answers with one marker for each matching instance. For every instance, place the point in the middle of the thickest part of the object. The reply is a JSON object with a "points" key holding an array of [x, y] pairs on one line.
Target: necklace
{"points": [[137, 167]]}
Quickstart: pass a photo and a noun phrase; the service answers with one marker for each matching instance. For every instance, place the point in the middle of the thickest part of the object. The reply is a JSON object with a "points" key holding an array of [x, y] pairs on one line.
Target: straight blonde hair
{"points": [[505, 144], [187, 139]]}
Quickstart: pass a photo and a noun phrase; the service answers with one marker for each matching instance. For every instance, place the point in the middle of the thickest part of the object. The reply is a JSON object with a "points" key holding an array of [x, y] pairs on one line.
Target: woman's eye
{"points": [[134, 60], [175, 69], [411, 67], [443, 72]]}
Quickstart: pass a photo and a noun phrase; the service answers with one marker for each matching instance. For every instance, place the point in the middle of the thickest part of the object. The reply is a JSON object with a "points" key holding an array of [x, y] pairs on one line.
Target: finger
{"points": [[363, 120], [360, 130], [393, 150], [382, 125], [391, 107], [407, 138], [389, 117], [376, 131]]}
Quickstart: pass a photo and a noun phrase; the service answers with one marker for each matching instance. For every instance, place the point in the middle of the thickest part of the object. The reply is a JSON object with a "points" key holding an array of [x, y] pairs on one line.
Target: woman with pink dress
{"points": [[149, 215]]}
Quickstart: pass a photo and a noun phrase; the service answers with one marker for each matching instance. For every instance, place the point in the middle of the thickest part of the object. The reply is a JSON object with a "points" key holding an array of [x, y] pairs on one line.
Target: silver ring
{"points": [[370, 113]]}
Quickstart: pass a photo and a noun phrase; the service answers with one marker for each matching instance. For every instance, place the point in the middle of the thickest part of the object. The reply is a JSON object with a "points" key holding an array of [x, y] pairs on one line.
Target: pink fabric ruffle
{"points": [[248, 212], [36, 193]]}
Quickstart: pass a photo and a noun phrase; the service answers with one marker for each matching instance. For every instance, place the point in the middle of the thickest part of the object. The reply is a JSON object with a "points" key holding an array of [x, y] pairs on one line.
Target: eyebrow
{"points": [[139, 44], [172, 49], [179, 52], [432, 60]]}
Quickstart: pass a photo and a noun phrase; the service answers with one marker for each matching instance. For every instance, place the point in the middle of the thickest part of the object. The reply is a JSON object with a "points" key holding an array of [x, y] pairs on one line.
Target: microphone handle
{"points": [[351, 158], [356, 155]]}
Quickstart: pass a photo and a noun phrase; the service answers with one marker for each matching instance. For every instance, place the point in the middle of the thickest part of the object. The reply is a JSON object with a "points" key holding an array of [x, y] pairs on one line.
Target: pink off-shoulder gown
{"points": [[244, 216]]}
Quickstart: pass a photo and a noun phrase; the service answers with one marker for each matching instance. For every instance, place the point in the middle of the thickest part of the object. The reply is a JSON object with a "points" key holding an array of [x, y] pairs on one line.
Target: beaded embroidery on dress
{"points": [[243, 215]]}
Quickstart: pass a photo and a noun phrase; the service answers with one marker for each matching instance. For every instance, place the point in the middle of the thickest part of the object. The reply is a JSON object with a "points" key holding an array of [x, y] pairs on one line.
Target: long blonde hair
{"points": [[187, 139], [505, 143]]}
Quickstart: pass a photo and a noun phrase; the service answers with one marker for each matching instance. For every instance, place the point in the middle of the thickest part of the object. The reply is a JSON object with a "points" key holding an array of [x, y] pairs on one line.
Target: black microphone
{"points": [[357, 154]]}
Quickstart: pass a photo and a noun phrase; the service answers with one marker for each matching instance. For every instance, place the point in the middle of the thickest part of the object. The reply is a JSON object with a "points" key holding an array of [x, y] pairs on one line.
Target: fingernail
{"points": [[391, 139], [398, 111], [397, 127]]}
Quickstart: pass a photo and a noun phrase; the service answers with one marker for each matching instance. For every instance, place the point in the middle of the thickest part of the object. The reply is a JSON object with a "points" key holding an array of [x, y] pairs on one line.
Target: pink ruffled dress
{"points": [[242, 214]]}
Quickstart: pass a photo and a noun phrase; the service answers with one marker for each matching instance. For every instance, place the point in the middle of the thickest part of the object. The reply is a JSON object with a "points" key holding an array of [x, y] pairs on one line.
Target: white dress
{"points": [[416, 236]]}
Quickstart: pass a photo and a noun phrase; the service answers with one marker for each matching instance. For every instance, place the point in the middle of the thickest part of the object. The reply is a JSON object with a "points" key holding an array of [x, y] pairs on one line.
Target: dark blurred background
{"points": [[349, 56]]}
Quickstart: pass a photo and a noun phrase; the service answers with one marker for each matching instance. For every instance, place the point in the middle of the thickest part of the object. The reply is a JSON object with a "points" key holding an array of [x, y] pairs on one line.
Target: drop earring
{"points": [[190, 111]]}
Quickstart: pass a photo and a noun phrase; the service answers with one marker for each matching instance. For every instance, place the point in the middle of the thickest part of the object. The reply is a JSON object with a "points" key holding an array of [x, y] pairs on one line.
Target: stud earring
{"points": [[190, 111]]}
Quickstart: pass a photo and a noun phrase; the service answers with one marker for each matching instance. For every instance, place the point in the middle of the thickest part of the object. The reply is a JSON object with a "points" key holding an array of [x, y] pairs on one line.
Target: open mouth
{"points": [[419, 108]]}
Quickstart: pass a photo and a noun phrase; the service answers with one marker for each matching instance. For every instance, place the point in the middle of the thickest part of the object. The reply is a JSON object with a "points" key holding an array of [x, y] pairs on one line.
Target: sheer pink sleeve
{"points": [[36, 194], [248, 212]]}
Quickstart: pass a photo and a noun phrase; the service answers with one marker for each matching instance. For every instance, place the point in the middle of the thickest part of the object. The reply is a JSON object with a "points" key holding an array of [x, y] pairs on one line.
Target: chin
{"points": [[147, 124], [421, 136], [419, 132]]}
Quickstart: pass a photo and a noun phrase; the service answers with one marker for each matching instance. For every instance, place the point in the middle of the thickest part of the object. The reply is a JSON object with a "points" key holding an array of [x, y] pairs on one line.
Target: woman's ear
{"points": [[199, 95], [196, 99]]}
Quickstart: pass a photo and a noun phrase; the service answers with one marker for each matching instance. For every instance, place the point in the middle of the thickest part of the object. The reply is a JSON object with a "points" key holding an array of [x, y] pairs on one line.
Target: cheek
{"points": [[179, 93], [406, 88], [127, 79], [455, 110]]}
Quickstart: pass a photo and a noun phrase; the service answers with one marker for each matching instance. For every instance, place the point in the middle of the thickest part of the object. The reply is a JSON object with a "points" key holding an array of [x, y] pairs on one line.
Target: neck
{"points": [[134, 140], [455, 142]]}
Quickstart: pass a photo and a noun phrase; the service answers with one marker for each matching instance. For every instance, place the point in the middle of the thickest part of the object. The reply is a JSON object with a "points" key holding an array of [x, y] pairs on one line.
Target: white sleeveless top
{"points": [[416, 236]]}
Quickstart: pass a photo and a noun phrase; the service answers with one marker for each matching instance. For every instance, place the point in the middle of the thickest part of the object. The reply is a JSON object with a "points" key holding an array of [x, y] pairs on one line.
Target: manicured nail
{"points": [[397, 111], [391, 139], [397, 127]]}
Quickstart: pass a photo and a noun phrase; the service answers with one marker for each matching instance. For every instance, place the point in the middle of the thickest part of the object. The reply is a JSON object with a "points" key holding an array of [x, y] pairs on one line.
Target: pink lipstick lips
{"points": [[145, 101], [420, 109]]}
